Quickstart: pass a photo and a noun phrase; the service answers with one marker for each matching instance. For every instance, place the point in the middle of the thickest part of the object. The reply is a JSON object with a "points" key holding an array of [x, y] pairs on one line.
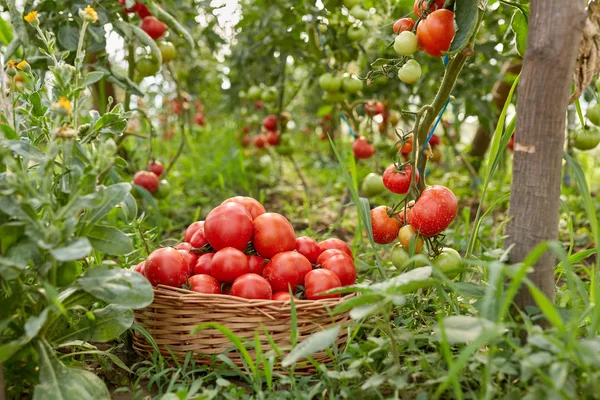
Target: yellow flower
{"points": [[89, 14], [32, 18], [24, 66], [11, 64], [62, 106]]}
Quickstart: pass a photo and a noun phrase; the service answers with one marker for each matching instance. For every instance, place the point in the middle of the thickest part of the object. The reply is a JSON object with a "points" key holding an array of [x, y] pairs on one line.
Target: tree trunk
{"points": [[555, 30], [482, 138]]}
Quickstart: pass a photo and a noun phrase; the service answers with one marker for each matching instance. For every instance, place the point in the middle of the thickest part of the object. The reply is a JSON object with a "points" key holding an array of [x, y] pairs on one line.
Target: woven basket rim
{"points": [[185, 294]]}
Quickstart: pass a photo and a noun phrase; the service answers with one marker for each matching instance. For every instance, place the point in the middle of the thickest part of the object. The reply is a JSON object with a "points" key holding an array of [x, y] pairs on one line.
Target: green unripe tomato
{"points": [[254, 93], [405, 43], [410, 72], [351, 3], [242, 94], [356, 33], [399, 257], [168, 51], [593, 114], [350, 85], [330, 83], [372, 185], [358, 12], [598, 85], [269, 95], [164, 189], [322, 28], [147, 66], [284, 149], [333, 98], [67, 273], [448, 261], [586, 139]]}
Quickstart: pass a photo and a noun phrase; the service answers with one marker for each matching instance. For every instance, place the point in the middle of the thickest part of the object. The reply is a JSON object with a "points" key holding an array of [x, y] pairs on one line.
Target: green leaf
{"points": [[129, 208], [406, 282], [77, 249], [465, 329], [26, 150], [104, 200], [117, 286], [314, 343], [68, 36], [110, 240], [110, 124], [6, 35], [32, 328], [518, 24], [172, 22], [9, 133], [96, 326], [546, 306], [92, 78], [466, 17], [60, 382]]}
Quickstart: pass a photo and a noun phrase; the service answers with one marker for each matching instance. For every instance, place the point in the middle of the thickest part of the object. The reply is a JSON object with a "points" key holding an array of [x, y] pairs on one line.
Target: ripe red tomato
{"points": [[153, 27], [285, 270], [228, 264], [283, 296], [435, 33], [251, 286], [184, 246], [189, 232], [198, 239], [166, 266], [327, 254], [133, 9], [140, 268], [260, 140], [199, 119], [246, 141], [335, 243], [374, 108], [398, 181], [511, 143], [308, 247], [321, 280], [343, 267], [273, 138], [423, 6], [203, 264], [256, 264], [190, 259], [434, 210], [407, 146], [147, 180], [435, 140], [270, 122], [156, 167], [143, 11], [203, 283], [253, 206], [385, 228], [404, 24], [362, 148], [273, 234], [228, 225]]}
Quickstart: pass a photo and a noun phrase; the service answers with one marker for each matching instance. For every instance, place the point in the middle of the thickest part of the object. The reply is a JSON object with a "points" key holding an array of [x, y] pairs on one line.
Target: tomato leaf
{"points": [[466, 16]]}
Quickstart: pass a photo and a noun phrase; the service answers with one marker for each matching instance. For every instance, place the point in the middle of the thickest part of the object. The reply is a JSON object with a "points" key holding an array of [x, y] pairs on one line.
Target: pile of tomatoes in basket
{"points": [[244, 251]]}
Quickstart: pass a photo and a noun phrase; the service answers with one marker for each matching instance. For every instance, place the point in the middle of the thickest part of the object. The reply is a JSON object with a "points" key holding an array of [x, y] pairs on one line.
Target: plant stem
{"points": [[299, 173], [130, 72], [78, 61]]}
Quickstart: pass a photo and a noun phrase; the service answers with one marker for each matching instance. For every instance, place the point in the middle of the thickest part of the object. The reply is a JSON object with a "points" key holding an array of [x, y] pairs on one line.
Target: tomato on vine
{"points": [[421, 6], [434, 211], [147, 180], [156, 167], [406, 234], [403, 24], [398, 181], [153, 27], [410, 72], [384, 227], [405, 43], [362, 149], [435, 33]]}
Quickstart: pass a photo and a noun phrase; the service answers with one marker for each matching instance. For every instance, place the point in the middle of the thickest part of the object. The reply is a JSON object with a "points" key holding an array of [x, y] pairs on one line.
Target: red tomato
{"points": [[156, 167], [166, 266], [190, 259], [286, 270], [327, 254], [398, 181], [435, 33], [256, 264], [228, 264], [153, 27], [251, 286], [143, 11], [511, 143], [283, 296], [189, 232], [273, 234], [270, 122], [362, 149], [133, 9], [309, 248], [260, 140], [253, 206], [385, 228], [343, 267], [407, 146], [140, 268], [404, 24], [374, 108], [203, 283], [435, 140], [184, 246], [147, 180], [259, 105], [334, 243], [198, 239], [273, 138], [246, 141], [203, 264], [228, 225], [434, 210], [199, 119], [423, 6], [321, 280]]}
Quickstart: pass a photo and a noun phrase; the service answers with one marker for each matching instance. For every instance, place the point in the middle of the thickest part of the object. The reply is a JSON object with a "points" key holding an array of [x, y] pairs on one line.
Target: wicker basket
{"points": [[174, 312]]}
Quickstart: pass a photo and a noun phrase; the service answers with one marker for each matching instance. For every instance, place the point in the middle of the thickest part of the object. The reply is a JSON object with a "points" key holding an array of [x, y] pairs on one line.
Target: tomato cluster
{"points": [[150, 179], [242, 250]]}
